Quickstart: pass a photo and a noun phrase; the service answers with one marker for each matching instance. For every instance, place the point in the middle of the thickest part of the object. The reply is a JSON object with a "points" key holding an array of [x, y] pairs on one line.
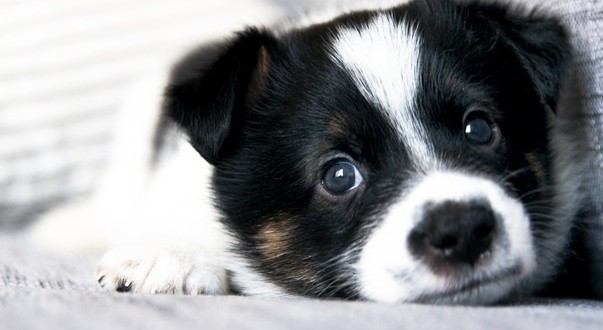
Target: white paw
{"points": [[143, 270]]}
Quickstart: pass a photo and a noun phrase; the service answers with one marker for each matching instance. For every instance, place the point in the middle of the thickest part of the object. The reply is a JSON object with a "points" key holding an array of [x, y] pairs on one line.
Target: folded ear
{"points": [[212, 84], [541, 45]]}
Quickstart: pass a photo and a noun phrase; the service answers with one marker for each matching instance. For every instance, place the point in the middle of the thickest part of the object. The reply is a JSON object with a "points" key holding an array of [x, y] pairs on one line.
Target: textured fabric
{"points": [[38, 291]]}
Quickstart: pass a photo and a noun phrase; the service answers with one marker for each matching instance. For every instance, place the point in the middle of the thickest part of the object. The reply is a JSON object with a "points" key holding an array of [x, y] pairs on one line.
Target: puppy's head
{"points": [[396, 155]]}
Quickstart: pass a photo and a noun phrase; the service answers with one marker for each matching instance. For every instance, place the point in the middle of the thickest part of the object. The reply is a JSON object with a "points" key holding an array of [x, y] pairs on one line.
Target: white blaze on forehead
{"points": [[383, 58]]}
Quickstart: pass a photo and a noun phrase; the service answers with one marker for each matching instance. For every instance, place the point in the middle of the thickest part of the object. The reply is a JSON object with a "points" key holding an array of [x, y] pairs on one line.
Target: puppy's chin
{"points": [[474, 288], [389, 271]]}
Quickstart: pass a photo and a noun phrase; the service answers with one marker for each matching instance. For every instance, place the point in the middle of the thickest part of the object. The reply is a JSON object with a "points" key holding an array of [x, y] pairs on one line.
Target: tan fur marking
{"points": [[274, 238], [537, 169], [258, 77], [276, 244]]}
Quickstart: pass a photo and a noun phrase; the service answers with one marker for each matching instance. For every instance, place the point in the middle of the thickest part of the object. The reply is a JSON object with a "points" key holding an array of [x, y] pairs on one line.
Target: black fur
{"points": [[271, 150], [206, 100]]}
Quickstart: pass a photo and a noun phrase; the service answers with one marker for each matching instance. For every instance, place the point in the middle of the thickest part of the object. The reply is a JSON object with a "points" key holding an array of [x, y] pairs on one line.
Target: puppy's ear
{"points": [[210, 86], [541, 45]]}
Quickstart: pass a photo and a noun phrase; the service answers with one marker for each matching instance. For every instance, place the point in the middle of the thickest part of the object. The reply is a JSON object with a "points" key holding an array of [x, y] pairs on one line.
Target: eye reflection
{"points": [[341, 177]]}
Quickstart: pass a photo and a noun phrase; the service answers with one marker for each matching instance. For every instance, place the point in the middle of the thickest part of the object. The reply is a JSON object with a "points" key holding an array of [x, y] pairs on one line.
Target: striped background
{"points": [[66, 67]]}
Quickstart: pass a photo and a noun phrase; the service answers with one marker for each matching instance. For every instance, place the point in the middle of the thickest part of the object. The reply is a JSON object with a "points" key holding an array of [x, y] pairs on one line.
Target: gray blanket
{"points": [[55, 132], [38, 290]]}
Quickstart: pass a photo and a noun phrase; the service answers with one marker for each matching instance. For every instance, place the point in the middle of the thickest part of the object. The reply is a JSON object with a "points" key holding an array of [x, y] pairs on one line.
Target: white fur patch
{"points": [[388, 272], [251, 283], [384, 60]]}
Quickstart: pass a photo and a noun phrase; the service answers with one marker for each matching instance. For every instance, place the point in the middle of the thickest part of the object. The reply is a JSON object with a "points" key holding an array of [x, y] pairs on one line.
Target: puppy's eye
{"points": [[341, 177], [479, 129]]}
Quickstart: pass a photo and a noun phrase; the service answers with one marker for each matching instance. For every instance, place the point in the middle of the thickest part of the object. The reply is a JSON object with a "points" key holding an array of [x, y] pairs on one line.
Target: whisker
{"points": [[542, 215], [512, 174], [539, 205], [539, 190]]}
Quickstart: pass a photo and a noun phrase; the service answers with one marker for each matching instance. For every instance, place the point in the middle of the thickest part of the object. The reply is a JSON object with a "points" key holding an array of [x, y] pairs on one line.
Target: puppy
{"points": [[406, 154]]}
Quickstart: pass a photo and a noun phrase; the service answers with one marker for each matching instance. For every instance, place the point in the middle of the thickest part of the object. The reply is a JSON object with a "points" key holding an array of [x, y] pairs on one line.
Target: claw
{"points": [[124, 286]]}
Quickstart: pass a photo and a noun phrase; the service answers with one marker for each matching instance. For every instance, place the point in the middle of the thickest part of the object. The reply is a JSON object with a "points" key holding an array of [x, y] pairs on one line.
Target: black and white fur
{"points": [[397, 155]]}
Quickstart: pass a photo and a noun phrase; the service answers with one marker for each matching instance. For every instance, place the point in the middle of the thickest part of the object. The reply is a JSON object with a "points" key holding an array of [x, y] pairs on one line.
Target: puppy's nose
{"points": [[453, 234]]}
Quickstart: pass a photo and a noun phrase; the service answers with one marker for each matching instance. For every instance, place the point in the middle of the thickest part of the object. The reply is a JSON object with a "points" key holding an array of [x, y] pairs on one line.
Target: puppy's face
{"points": [[398, 155]]}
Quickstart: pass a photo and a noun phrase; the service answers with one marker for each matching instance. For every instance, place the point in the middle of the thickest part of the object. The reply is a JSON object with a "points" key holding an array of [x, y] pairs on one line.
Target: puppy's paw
{"points": [[142, 270]]}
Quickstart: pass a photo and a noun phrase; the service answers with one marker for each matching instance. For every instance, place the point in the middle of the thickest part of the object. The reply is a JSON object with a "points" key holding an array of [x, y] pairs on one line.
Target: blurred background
{"points": [[66, 68]]}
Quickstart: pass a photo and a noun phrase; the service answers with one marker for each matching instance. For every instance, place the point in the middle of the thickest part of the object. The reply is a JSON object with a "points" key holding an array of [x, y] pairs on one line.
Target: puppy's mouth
{"points": [[477, 285]]}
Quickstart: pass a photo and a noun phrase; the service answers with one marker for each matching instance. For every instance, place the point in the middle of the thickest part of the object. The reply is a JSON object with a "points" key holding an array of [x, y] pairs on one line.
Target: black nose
{"points": [[453, 234]]}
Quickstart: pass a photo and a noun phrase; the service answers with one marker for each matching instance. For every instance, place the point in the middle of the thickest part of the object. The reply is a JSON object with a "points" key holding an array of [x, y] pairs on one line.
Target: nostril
{"points": [[446, 242], [445, 245]]}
